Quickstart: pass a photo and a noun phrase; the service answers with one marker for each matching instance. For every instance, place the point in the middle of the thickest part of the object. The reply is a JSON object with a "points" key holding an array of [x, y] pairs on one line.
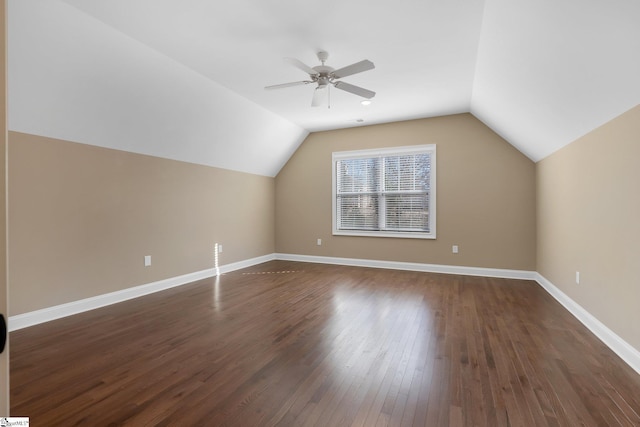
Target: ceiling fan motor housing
{"points": [[324, 74]]}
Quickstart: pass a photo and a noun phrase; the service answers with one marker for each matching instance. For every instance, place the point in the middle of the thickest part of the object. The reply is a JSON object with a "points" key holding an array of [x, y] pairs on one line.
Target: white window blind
{"points": [[388, 192]]}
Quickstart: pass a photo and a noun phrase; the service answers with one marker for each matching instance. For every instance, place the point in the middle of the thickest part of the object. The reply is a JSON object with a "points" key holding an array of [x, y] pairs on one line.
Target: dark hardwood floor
{"points": [[295, 344]]}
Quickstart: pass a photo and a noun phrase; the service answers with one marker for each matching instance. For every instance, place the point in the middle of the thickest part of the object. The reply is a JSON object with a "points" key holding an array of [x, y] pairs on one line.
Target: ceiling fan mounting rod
{"points": [[323, 56]]}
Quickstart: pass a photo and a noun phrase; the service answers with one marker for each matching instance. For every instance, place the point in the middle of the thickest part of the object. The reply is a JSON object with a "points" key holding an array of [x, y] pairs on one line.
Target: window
{"points": [[388, 192]]}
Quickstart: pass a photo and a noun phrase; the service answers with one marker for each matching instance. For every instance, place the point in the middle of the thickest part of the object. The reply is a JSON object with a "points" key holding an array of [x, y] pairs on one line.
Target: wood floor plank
{"points": [[294, 344]]}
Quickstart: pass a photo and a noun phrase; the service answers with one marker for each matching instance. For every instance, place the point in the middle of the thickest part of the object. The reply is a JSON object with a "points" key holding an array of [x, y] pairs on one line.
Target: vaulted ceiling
{"points": [[184, 79]]}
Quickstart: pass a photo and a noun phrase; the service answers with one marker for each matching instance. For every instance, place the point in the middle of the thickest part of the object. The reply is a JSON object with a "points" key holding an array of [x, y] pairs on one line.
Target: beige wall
{"points": [[589, 221], [485, 196], [82, 218]]}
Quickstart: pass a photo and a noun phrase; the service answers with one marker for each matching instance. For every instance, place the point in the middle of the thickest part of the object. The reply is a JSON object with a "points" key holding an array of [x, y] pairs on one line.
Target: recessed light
{"points": [[365, 102]]}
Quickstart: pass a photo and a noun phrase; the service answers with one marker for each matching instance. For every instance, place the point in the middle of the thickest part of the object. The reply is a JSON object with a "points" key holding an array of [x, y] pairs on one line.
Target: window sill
{"points": [[396, 234]]}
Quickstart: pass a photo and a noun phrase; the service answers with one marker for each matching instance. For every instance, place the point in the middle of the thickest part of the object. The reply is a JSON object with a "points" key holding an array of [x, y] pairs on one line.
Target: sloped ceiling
{"points": [[185, 79], [549, 71]]}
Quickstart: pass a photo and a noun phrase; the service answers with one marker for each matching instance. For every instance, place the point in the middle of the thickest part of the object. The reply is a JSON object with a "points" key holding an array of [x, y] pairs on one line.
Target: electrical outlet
{"points": [[577, 277], [319, 242], [454, 249], [219, 249], [147, 260]]}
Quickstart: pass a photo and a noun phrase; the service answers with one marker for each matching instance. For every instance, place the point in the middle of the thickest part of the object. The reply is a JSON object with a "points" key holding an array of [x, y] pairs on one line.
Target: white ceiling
{"points": [[184, 79]]}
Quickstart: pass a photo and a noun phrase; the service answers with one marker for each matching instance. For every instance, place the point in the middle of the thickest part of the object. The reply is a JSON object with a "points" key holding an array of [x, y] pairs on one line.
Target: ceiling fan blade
{"points": [[320, 95], [356, 90], [302, 66], [280, 86], [358, 67]]}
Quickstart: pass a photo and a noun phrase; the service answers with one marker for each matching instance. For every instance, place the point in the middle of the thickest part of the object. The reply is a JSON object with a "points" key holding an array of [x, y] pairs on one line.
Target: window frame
{"points": [[380, 153]]}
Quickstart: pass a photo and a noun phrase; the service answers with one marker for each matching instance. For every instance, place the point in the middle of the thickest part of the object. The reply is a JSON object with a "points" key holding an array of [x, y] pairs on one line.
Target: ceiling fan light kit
{"points": [[325, 77]]}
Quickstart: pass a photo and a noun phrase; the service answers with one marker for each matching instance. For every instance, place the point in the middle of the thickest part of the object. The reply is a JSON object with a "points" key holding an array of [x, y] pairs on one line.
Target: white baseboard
{"points": [[227, 268], [63, 310], [619, 346], [413, 266]]}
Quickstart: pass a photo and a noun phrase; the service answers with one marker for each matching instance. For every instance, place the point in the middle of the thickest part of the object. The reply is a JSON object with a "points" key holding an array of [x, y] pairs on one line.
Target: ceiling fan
{"points": [[326, 76]]}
